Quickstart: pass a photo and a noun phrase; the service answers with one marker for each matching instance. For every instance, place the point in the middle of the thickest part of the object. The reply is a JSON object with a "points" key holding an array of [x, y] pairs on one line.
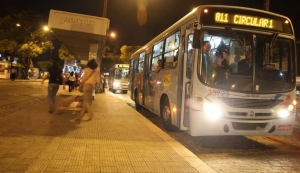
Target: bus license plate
{"points": [[285, 127]]}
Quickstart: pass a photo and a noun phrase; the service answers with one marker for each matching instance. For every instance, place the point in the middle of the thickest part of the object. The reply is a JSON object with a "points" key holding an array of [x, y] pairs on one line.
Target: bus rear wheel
{"points": [[166, 116]]}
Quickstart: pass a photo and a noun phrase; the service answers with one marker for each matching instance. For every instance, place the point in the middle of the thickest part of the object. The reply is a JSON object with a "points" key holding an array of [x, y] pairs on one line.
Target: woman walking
{"points": [[90, 77], [55, 79], [71, 80]]}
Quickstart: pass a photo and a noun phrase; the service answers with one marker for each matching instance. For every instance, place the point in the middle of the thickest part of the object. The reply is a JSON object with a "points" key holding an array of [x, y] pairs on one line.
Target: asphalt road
{"points": [[225, 154]]}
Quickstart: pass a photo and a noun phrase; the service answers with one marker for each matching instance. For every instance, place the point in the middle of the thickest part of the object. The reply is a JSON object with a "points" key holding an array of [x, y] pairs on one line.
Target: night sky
{"points": [[158, 14]]}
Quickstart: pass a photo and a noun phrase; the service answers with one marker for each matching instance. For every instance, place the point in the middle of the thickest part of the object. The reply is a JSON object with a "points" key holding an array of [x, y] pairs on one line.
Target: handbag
{"points": [[59, 79], [82, 83]]}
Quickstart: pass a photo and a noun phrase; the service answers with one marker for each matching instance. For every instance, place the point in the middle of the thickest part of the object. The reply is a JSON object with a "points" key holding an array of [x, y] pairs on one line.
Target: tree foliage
{"points": [[9, 47], [44, 64], [27, 41], [64, 54], [127, 51]]}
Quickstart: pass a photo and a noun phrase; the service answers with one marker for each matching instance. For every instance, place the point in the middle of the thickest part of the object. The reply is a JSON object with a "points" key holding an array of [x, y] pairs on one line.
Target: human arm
{"points": [[157, 69], [45, 77]]}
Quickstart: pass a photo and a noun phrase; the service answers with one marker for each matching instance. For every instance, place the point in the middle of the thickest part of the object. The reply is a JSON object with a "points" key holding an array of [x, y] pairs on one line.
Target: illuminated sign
{"points": [[246, 20]]}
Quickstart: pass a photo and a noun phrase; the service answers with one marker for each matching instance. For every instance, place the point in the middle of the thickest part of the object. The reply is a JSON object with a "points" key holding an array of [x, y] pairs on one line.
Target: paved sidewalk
{"points": [[118, 139], [21, 80]]}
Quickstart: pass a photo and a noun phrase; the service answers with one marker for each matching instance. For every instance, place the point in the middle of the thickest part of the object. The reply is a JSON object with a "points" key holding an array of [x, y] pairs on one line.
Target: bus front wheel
{"points": [[166, 116]]}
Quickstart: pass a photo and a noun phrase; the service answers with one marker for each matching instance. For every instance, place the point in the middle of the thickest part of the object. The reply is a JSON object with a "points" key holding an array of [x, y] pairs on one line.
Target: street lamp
{"points": [[112, 35], [45, 28]]}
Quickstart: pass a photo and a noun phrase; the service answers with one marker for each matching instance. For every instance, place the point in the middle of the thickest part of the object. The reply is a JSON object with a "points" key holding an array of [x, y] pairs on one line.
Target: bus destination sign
{"points": [[246, 20]]}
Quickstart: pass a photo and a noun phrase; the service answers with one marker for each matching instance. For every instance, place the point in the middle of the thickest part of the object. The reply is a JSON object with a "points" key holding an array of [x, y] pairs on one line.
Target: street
{"points": [[223, 154], [239, 153]]}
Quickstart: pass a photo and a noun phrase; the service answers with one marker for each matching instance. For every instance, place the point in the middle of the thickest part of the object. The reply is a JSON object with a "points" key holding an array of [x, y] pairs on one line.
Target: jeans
{"points": [[71, 85], [52, 90]]}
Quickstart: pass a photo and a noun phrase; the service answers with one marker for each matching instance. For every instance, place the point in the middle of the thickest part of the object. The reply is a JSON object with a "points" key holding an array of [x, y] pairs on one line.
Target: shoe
{"points": [[91, 116], [80, 115]]}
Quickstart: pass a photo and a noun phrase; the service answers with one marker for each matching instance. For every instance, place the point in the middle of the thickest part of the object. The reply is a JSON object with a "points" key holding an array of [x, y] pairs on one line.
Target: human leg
{"points": [[87, 100], [52, 90], [72, 85]]}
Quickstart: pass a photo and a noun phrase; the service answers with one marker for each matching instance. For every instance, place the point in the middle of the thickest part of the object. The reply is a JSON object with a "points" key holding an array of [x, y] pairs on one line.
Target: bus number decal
{"points": [[219, 93]]}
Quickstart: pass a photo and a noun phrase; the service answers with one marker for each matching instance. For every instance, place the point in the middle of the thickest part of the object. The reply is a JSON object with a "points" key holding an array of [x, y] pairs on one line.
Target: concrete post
{"points": [[93, 55]]}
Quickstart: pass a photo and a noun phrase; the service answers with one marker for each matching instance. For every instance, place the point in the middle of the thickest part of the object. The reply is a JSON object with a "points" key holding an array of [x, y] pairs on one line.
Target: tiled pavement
{"points": [[118, 139]]}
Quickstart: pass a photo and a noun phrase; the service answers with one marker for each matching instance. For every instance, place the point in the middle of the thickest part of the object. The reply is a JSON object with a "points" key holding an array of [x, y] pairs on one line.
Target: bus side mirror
{"points": [[196, 39]]}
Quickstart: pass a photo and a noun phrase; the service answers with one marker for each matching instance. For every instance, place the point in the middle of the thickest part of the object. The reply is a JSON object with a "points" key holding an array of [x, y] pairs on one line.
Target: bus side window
{"points": [[154, 62]]}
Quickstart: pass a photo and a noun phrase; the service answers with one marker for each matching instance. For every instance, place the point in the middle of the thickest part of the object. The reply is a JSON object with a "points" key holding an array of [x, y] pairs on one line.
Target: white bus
{"points": [[213, 95], [118, 78]]}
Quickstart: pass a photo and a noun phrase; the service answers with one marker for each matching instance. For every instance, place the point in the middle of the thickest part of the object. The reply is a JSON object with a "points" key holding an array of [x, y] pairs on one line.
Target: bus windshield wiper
{"points": [[230, 31]]}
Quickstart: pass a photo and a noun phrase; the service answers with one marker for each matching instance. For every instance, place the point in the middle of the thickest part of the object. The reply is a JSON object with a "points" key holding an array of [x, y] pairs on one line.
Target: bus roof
{"points": [[195, 13]]}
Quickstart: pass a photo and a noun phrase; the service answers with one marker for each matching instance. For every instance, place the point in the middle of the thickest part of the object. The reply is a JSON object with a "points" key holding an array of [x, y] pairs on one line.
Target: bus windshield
{"points": [[247, 62], [121, 73]]}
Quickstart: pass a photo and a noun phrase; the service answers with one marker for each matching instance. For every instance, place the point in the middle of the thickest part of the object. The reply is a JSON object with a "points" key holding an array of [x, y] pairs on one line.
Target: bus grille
{"points": [[244, 114], [248, 126], [250, 103]]}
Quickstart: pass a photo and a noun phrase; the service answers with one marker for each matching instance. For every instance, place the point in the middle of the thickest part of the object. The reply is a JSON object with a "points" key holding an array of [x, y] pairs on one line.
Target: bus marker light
{"points": [[205, 10]]}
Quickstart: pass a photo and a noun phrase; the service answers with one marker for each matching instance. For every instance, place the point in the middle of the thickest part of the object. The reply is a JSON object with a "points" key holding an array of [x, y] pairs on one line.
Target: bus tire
{"points": [[136, 100], [113, 91], [166, 116]]}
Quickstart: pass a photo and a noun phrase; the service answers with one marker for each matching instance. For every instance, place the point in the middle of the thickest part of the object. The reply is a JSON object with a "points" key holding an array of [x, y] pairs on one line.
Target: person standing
{"points": [[89, 78], [207, 63], [13, 73], [55, 78], [245, 65], [221, 64], [76, 83], [71, 80]]}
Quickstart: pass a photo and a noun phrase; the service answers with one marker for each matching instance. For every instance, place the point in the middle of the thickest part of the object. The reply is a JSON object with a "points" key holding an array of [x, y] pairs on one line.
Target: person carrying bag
{"points": [[86, 86]]}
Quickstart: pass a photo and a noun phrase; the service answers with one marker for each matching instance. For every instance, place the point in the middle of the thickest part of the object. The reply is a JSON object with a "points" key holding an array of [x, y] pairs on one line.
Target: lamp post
{"points": [[104, 8], [45, 28], [267, 5]]}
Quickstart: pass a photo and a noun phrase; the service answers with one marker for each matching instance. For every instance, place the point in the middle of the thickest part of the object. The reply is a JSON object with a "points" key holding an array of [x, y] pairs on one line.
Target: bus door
{"points": [[140, 77], [131, 78], [147, 85], [187, 73]]}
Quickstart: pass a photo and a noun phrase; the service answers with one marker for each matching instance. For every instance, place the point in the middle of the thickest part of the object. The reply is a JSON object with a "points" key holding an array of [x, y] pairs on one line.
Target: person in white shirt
{"points": [[71, 80], [89, 78]]}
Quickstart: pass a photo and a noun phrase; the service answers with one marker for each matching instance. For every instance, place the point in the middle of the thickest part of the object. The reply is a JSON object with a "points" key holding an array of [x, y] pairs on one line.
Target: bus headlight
{"points": [[212, 111], [116, 84], [283, 113]]}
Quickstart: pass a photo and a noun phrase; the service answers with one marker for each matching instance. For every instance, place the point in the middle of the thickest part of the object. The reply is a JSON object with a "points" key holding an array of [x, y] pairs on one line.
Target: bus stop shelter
{"points": [[83, 35]]}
